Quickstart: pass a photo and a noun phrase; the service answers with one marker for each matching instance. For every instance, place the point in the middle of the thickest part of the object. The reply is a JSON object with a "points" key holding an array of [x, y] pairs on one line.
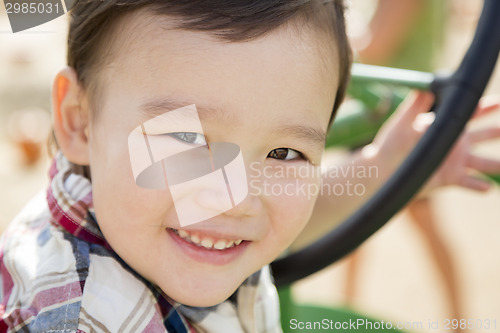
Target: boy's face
{"points": [[271, 96]]}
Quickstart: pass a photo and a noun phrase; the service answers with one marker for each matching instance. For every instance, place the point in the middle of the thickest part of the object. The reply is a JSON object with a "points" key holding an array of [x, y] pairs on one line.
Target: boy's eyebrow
{"points": [[308, 133], [162, 105], [159, 106]]}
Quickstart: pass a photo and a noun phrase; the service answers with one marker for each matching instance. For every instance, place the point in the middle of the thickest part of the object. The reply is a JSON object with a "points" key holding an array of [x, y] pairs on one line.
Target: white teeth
{"points": [[220, 245], [207, 243], [195, 239]]}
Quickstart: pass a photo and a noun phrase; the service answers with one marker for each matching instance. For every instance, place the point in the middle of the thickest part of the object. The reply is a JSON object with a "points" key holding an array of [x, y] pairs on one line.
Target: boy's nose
{"points": [[251, 206], [209, 182], [216, 200]]}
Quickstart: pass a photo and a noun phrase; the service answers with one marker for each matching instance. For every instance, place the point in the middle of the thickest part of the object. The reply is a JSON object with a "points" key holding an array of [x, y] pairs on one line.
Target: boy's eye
{"points": [[285, 154], [189, 137]]}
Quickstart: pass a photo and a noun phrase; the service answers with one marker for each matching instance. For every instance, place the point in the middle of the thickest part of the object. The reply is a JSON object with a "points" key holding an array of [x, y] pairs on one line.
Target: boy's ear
{"points": [[70, 116]]}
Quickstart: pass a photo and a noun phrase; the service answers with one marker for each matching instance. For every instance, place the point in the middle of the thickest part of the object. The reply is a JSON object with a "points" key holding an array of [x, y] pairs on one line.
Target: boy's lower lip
{"points": [[210, 256]]}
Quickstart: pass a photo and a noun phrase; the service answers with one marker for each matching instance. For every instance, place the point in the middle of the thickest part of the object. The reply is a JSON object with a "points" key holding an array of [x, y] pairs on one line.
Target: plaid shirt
{"points": [[58, 274]]}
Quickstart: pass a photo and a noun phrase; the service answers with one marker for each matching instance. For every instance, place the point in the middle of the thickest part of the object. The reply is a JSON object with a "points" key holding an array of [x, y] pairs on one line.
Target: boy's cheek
{"points": [[120, 198], [293, 202]]}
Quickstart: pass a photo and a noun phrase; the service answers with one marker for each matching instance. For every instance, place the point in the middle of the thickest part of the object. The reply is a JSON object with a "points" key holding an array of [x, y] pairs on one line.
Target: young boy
{"points": [[104, 254], [108, 249]]}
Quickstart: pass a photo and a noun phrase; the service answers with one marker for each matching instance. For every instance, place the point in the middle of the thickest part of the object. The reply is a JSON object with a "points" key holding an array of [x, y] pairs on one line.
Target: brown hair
{"points": [[231, 20]]}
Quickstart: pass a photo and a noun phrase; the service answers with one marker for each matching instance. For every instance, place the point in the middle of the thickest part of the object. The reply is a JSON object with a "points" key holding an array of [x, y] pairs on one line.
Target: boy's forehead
{"points": [[144, 32], [151, 54]]}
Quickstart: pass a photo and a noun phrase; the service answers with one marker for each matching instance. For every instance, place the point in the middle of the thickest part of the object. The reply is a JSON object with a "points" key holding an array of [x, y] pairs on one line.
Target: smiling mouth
{"points": [[207, 242]]}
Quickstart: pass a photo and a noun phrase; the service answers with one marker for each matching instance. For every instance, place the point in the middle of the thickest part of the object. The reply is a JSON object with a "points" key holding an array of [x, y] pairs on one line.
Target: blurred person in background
{"points": [[409, 34]]}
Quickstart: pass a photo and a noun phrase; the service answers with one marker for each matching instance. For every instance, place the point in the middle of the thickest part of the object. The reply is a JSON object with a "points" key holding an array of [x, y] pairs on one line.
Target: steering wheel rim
{"points": [[459, 95]]}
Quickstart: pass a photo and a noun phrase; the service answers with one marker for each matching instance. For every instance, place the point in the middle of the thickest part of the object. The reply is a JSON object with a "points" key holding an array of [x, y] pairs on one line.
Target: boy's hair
{"points": [[91, 24]]}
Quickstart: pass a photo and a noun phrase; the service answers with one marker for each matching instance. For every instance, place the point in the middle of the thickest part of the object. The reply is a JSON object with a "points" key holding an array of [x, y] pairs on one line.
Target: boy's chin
{"points": [[203, 295], [202, 300]]}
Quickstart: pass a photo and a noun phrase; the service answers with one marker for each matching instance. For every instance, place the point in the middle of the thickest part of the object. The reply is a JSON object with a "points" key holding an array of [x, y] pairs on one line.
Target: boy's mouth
{"points": [[207, 242]]}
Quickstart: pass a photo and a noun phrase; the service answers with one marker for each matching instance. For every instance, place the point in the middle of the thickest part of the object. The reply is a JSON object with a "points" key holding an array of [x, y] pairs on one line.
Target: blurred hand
{"points": [[461, 166], [406, 126]]}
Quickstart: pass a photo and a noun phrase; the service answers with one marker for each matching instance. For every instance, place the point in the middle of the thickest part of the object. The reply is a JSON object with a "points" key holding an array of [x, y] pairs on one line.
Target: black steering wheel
{"points": [[458, 97]]}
